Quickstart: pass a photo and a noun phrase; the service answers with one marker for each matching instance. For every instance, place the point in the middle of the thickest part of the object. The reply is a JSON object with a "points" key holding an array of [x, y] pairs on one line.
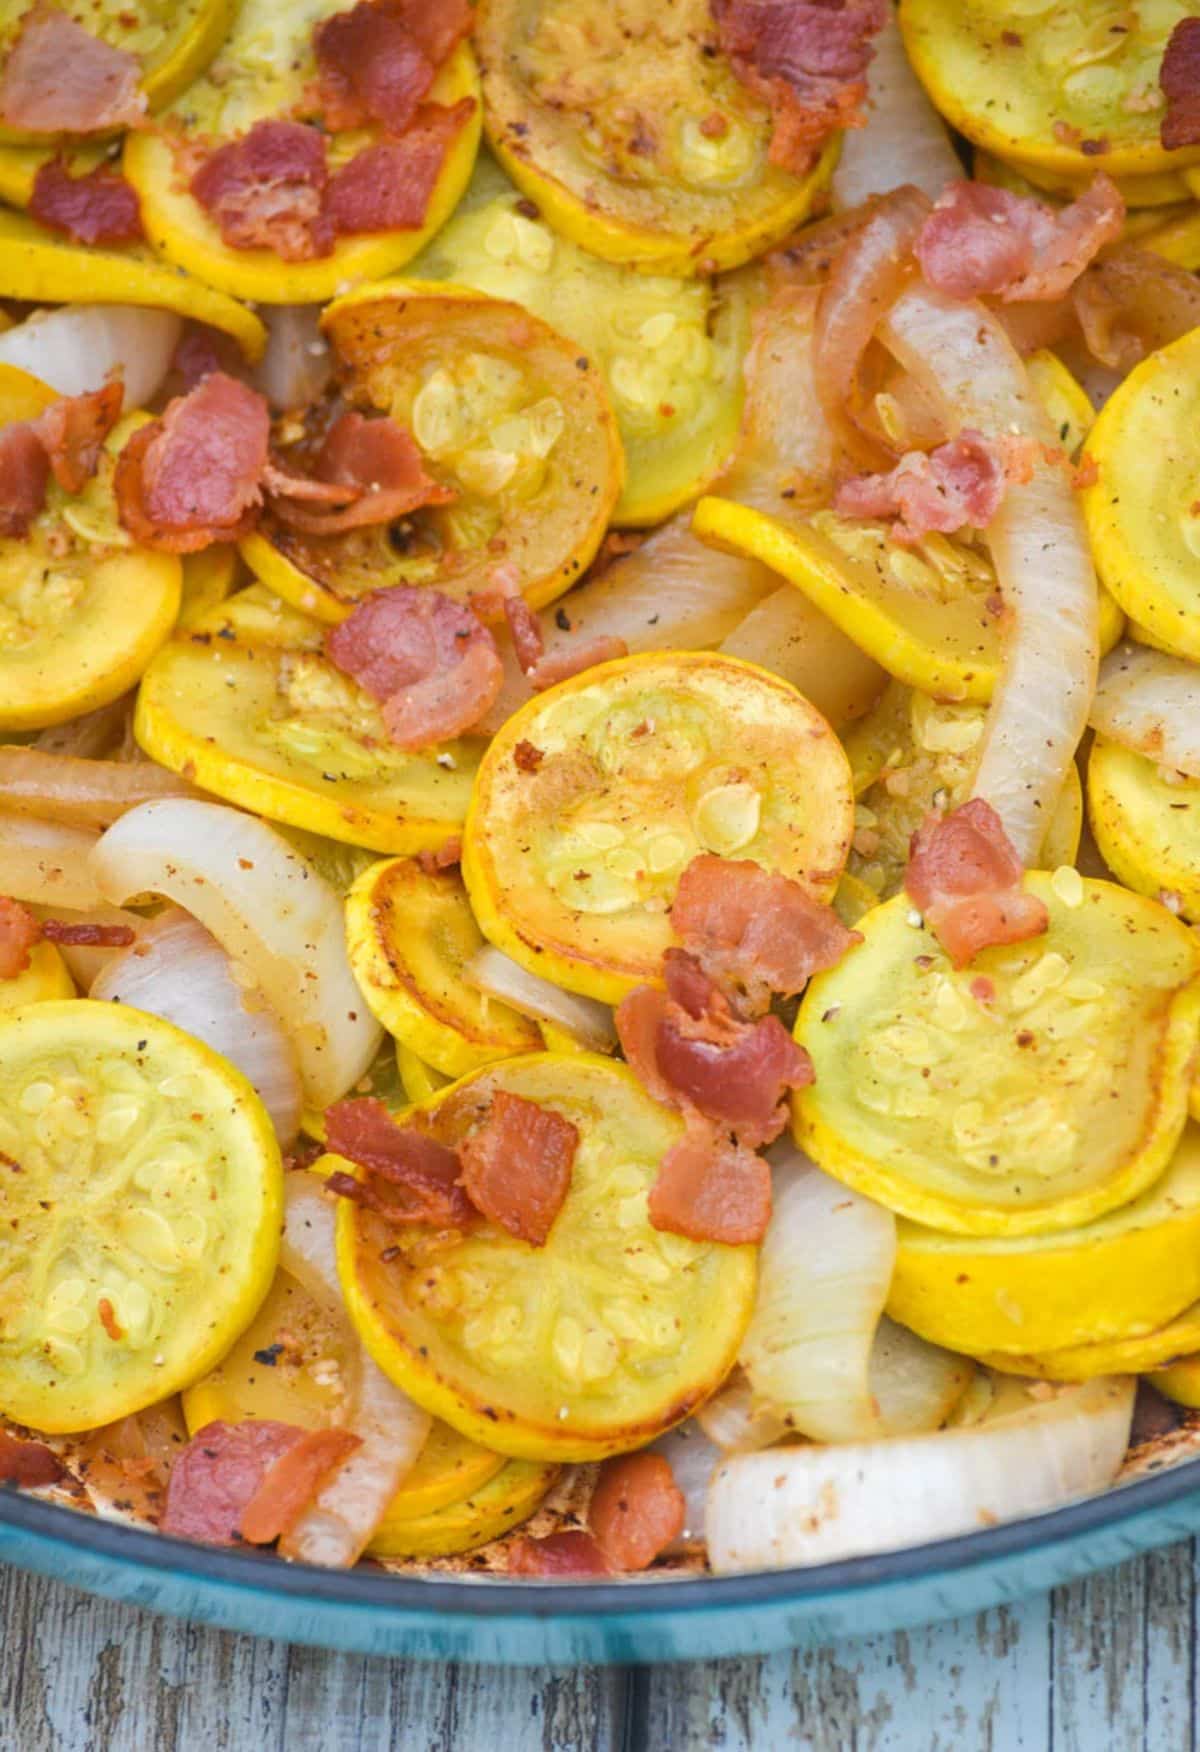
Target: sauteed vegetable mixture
{"points": [[600, 787]]}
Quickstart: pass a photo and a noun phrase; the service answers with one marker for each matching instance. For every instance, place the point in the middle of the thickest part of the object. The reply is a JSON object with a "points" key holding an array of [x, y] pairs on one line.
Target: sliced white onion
{"points": [[1040, 551], [335, 1530], [274, 915], [78, 791], [788, 635], [904, 141], [74, 348], [588, 1022], [806, 1505], [92, 734], [297, 363], [736, 1422], [1149, 701], [915, 1385], [43, 861], [693, 1459], [178, 971], [824, 1272], [86, 961]]}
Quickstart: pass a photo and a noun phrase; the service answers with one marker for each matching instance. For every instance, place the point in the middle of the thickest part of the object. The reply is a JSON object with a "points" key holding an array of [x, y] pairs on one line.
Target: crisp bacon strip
{"points": [[72, 431], [60, 79], [218, 1474], [97, 208], [807, 61], [24, 476], [959, 484], [517, 1166], [292, 1481], [88, 936], [376, 62], [965, 877], [371, 469], [267, 191], [561, 665], [711, 1188], [28, 1464], [755, 927], [432, 665], [637, 1510], [387, 186], [19, 931], [981, 240], [1179, 77], [526, 631], [564, 1557], [192, 477], [419, 1176]]}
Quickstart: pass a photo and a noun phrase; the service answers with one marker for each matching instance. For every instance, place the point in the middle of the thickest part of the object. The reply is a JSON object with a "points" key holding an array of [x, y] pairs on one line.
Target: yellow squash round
{"points": [[1146, 823]]}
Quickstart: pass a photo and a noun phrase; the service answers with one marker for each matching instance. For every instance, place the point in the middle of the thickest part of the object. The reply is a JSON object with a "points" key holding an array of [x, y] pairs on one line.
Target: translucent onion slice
{"points": [[1150, 702], [693, 1459], [915, 1385], [588, 1022], [43, 861], [297, 364], [786, 634], [178, 971], [1039, 547], [904, 141], [78, 791], [807, 1505], [92, 734], [336, 1529], [825, 1269], [270, 910], [735, 1421], [74, 348]]}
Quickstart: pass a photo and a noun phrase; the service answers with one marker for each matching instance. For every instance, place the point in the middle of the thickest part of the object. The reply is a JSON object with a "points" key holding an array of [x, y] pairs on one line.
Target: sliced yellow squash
{"points": [[1146, 823], [142, 1228], [247, 706], [47, 977], [1141, 1355], [571, 859], [587, 1346], [208, 577], [490, 1511], [1033, 1102]]}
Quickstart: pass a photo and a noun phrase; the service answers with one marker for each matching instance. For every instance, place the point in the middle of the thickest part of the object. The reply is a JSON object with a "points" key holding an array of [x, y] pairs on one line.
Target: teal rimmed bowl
{"points": [[687, 1618]]}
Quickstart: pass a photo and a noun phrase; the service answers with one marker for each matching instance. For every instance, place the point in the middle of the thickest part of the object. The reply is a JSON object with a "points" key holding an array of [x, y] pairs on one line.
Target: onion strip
{"points": [[807, 1505], [905, 139], [77, 791], [270, 910], [1150, 702], [588, 1022], [1039, 547], [43, 862], [75, 348]]}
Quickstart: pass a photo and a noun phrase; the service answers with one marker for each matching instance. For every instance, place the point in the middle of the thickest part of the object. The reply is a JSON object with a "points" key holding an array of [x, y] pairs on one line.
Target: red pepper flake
{"points": [[108, 1319], [982, 990], [1011, 39], [1087, 474]]}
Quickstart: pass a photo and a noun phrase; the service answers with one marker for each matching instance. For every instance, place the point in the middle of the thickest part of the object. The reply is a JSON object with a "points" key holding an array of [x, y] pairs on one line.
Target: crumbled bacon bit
{"points": [[573, 1555], [637, 1510], [965, 877], [1179, 77], [19, 931], [88, 936], [516, 1168], [28, 1464]]}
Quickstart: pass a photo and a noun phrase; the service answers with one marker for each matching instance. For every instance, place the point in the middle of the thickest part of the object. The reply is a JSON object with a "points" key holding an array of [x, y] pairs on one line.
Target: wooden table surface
{"points": [[1107, 1665]]}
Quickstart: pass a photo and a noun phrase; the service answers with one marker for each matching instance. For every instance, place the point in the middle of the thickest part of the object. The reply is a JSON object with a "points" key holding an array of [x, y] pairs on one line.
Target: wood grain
{"points": [[1108, 1665]]}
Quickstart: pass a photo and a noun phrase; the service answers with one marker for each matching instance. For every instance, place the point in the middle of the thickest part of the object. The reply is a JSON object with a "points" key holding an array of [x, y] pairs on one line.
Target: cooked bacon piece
{"points": [[711, 1188], [965, 877], [371, 469], [100, 207], [387, 186], [517, 1166], [88, 936], [217, 1475], [738, 1079], [72, 431], [24, 475], [19, 931], [526, 632], [201, 350], [1179, 77], [420, 1174], [444, 857], [377, 61], [192, 477], [28, 1463], [807, 59], [558, 666], [433, 666], [960, 483], [267, 191], [637, 1019], [755, 927], [981, 240], [60, 79], [565, 1557], [292, 1481], [637, 1510]]}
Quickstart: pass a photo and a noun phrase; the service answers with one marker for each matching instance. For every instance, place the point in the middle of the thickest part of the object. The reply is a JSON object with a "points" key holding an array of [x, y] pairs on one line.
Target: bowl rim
{"points": [[489, 1596]]}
